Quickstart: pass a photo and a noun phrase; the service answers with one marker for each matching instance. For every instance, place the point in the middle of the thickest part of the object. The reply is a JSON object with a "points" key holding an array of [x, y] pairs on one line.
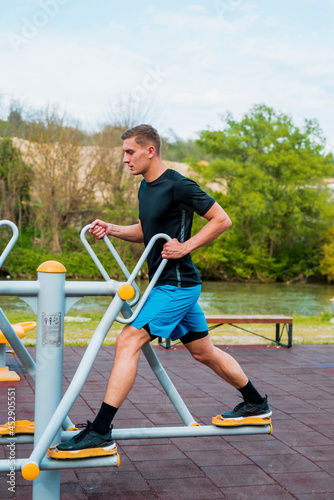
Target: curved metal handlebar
{"points": [[12, 241], [116, 257], [131, 277], [153, 280]]}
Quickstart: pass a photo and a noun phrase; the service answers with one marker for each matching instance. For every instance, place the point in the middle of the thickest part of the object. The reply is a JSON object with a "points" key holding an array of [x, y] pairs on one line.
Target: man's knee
{"points": [[131, 339], [201, 349], [204, 357]]}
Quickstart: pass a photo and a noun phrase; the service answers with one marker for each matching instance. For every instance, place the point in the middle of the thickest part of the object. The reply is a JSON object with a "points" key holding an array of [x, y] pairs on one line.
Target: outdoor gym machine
{"points": [[51, 297]]}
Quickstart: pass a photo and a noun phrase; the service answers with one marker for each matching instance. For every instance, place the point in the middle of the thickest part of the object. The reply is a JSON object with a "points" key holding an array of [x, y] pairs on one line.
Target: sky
{"points": [[188, 62]]}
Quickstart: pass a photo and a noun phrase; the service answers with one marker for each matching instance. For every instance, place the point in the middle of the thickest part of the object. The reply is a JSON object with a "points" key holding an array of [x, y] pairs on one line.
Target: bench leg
{"points": [[290, 335], [279, 334], [166, 344]]}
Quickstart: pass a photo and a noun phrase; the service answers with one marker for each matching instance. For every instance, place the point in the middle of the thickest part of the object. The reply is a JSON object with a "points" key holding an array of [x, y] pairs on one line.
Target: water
{"points": [[276, 298], [228, 298]]}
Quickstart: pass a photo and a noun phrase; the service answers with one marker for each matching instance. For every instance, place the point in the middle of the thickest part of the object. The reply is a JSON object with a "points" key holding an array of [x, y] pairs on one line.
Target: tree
{"points": [[16, 125], [65, 174], [176, 149], [15, 180], [327, 261], [126, 112], [273, 173]]}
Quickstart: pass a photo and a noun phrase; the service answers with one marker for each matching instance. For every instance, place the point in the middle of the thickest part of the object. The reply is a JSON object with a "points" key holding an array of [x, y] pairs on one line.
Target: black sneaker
{"points": [[87, 443], [244, 409]]}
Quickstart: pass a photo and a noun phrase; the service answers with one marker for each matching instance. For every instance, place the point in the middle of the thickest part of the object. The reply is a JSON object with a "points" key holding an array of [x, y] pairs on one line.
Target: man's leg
{"points": [[124, 371], [229, 369], [96, 439], [219, 361], [122, 376]]}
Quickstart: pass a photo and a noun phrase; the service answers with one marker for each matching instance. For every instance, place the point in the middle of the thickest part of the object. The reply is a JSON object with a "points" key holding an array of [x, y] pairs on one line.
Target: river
{"points": [[231, 298]]}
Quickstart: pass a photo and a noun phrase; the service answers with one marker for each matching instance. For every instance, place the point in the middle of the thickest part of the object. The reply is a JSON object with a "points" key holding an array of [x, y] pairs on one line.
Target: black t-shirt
{"points": [[166, 205]]}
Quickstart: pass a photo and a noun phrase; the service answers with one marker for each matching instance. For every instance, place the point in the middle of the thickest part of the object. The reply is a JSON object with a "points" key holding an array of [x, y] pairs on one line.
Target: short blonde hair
{"points": [[144, 135]]}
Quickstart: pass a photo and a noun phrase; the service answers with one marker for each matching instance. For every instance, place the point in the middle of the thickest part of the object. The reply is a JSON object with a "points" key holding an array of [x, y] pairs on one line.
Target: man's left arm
{"points": [[218, 222]]}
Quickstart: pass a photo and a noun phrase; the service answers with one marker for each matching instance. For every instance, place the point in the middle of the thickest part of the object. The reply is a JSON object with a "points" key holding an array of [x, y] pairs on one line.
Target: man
{"points": [[167, 201]]}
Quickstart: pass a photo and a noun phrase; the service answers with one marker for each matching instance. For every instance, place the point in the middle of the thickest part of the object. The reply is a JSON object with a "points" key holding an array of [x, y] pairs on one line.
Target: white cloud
{"points": [[272, 21], [195, 8], [83, 79], [202, 23], [212, 62]]}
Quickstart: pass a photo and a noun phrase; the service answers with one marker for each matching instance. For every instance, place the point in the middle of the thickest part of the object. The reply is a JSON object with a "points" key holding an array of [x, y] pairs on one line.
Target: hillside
{"points": [[107, 163]]}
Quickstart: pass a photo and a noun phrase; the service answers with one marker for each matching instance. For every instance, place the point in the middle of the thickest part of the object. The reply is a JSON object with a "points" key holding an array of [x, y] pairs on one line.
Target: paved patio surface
{"points": [[297, 461]]}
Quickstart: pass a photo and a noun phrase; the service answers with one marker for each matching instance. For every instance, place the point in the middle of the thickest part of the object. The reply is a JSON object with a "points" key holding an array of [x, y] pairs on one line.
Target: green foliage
{"points": [[3, 128], [327, 261], [175, 149], [272, 173], [15, 182], [326, 317], [271, 176]]}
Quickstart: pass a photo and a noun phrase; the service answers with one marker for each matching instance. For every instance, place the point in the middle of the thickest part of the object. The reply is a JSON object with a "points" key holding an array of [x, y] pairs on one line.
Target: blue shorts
{"points": [[171, 312]]}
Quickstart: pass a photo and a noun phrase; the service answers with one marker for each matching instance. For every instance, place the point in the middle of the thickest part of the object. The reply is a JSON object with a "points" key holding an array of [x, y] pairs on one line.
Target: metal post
{"points": [[168, 385], [49, 365], [22, 353], [290, 335], [2, 355], [30, 467]]}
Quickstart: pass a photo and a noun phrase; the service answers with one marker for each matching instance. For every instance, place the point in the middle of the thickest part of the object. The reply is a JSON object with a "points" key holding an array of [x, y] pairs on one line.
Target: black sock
{"points": [[104, 418], [250, 394]]}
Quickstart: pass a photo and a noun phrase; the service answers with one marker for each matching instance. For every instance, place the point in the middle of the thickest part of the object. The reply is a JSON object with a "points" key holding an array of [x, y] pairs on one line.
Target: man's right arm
{"points": [[133, 233]]}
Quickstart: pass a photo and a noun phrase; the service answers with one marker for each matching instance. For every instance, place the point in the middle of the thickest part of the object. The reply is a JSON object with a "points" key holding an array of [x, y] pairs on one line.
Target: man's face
{"points": [[137, 157]]}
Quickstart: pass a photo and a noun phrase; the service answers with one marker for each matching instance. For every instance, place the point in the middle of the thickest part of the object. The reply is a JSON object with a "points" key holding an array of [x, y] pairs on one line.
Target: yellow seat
{"points": [[20, 329]]}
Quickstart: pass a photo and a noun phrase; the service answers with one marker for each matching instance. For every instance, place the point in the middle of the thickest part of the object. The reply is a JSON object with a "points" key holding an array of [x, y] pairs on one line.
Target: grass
{"points": [[79, 329]]}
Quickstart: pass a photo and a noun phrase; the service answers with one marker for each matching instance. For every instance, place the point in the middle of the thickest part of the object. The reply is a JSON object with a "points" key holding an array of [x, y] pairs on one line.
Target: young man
{"points": [[167, 201]]}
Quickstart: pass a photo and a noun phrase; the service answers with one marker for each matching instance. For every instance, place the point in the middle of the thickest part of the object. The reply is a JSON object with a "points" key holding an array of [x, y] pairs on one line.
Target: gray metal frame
{"points": [[51, 297]]}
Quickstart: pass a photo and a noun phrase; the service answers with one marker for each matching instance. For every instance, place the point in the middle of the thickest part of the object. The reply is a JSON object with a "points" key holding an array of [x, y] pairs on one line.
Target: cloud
{"points": [[212, 60], [202, 22], [272, 21], [82, 78], [195, 8]]}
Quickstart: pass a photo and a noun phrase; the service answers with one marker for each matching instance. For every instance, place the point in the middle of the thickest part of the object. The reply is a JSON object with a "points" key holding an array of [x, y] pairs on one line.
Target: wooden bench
{"points": [[238, 319]]}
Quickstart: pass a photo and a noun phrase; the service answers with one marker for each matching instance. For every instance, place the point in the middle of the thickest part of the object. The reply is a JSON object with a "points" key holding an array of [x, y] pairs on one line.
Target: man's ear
{"points": [[151, 151]]}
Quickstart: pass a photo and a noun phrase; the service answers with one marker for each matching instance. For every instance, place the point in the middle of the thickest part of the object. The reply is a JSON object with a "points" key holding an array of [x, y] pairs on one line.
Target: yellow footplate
{"points": [[229, 422], [53, 452], [17, 427], [7, 375]]}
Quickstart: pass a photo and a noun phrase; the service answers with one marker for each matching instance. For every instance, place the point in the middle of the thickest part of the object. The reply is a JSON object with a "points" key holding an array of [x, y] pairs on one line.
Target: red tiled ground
{"points": [[297, 461]]}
